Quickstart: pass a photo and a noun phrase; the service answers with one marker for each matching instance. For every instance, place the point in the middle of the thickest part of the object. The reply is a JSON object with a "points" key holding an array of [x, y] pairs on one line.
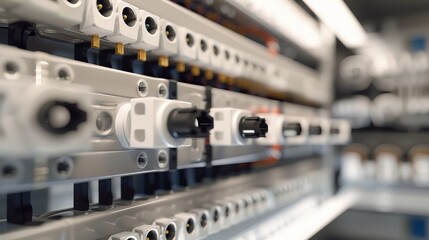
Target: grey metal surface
{"points": [[381, 212], [102, 79], [356, 225], [405, 200], [124, 216]]}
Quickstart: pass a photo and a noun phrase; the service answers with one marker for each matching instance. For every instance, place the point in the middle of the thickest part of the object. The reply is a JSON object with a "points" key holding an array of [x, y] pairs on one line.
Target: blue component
{"points": [[418, 227], [418, 43]]}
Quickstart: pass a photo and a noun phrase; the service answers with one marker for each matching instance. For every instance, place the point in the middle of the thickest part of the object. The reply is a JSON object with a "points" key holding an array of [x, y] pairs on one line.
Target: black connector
{"points": [[189, 123], [190, 225], [291, 129], [170, 232], [315, 130], [253, 127], [203, 221], [59, 117], [151, 235], [334, 131]]}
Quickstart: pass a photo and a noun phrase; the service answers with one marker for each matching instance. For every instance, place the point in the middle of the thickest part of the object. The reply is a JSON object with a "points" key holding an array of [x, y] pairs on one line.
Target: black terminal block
{"points": [[189, 123], [315, 130], [253, 127], [291, 130]]}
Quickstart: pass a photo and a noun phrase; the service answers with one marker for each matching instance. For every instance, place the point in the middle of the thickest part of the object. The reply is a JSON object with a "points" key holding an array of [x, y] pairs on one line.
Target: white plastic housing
{"points": [[227, 220], [323, 138], [184, 218], [168, 46], [163, 224], [216, 56], [387, 167], [125, 236], [148, 40], [246, 199], [352, 168], [302, 138], [60, 13], [144, 230], [142, 123], [261, 70], [344, 134], [123, 32], [226, 127], [275, 79], [188, 42], [275, 135], [203, 231], [295, 83], [228, 62], [204, 50], [238, 59], [94, 23], [22, 135], [256, 70], [219, 224], [284, 79], [420, 169], [239, 204], [248, 70]]}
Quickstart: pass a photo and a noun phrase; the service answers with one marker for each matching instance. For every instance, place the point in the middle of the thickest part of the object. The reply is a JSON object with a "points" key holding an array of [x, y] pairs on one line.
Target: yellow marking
{"points": [[119, 49], [95, 41], [208, 74], [229, 80], [141, 55], [163, 61], [125, 17], [99, 6], [180, 66], [195, 71], [222, 78]]}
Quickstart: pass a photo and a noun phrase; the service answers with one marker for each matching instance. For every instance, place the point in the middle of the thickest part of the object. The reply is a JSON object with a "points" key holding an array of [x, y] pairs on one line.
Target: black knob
{"points": [[189, 123], [315, 130], [291, 129], [253, 127]]}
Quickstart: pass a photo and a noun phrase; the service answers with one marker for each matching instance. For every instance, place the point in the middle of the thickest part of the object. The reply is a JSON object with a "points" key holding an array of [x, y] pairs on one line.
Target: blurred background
{"points": [[381, 86]]}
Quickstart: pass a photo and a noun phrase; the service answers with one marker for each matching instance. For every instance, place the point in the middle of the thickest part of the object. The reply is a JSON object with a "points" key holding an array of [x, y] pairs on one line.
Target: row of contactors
{"points": [[119, 22], [39, 115], [213, 217], [387, 167], [36, 117]]}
